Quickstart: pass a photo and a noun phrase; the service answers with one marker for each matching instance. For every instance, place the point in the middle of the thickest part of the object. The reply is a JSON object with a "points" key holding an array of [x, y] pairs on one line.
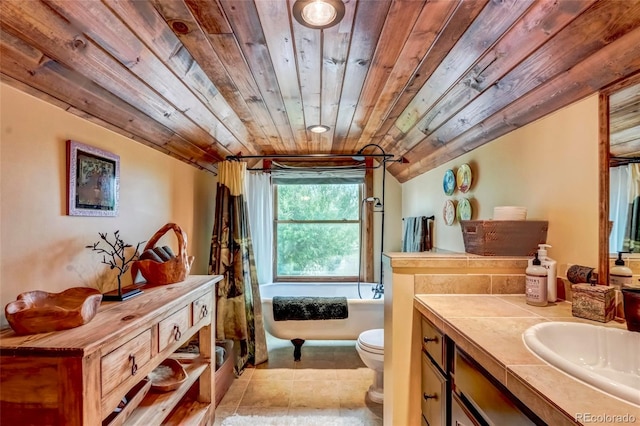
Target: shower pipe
{"points": [[377, 204], [379, 290], [359, 156]]}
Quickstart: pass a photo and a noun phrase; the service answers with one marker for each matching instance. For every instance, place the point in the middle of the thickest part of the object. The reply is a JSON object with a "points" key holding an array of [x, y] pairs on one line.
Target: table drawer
{"points": [[433, 393], [202, 309], [173, 328], [433, 343], [124, 362]]}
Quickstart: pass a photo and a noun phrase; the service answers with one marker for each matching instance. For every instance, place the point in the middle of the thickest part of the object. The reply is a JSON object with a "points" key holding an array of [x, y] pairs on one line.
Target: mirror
{"points": [[619, 172]]}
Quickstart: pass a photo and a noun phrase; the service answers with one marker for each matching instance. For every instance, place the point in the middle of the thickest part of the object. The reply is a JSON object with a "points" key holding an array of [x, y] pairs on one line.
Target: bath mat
{"points": [[236, 420], [309, 308]]}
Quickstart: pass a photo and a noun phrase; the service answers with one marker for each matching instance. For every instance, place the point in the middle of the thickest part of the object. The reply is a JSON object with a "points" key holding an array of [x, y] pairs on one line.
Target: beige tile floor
{"points": [[330, 380]]}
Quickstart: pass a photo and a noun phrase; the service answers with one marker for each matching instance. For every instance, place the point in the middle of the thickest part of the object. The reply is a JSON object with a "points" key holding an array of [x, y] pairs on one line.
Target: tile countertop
{"points": [[489, 328]]}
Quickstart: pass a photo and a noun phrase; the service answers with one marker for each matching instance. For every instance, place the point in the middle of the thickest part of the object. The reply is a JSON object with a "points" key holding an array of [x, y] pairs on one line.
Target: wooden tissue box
{"points": [[594, 302]]}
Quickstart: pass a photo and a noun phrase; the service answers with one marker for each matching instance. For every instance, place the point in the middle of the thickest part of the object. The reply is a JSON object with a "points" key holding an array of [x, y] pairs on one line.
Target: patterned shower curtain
{"points": [[631, 242], [238, 306]]}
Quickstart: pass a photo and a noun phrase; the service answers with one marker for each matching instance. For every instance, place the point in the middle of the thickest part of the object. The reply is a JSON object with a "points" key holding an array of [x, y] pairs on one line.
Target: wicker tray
{"points": [[503, 237], [168, 272]]}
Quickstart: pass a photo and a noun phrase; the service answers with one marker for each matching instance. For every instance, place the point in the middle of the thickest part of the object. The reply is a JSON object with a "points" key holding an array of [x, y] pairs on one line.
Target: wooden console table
{"points": [[79, 376]]}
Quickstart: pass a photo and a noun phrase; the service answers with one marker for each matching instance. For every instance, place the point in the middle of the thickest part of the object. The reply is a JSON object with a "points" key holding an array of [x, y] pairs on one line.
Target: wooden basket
{"points": [[171, 271], [503, 237]]}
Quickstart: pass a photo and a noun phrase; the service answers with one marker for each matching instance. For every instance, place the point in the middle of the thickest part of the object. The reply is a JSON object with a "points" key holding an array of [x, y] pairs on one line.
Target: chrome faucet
{"points": [[378, 291]]}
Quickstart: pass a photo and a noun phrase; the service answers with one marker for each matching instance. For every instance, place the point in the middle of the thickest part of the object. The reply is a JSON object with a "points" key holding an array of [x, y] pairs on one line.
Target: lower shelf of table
{"points": [[156, 407]]}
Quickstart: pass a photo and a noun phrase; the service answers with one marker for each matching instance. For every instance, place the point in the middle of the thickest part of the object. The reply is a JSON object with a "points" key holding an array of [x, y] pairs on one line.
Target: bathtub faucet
{"points": [[378, 291]]}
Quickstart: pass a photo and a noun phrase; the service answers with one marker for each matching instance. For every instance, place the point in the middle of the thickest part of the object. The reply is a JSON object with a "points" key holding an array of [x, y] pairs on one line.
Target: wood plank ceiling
{"points": [[428, 80]]}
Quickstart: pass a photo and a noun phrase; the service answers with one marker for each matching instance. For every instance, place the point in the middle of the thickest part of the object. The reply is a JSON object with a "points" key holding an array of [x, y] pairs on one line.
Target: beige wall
{"points": [[43, 248], [549, 166]]}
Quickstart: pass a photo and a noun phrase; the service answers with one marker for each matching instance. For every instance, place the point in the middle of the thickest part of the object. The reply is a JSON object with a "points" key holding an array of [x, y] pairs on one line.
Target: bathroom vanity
{"points": [[485, 317], [408, 274], [490, 366]]}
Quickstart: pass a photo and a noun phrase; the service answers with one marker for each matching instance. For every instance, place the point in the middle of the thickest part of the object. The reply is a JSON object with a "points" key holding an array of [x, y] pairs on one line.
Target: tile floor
{"points": [[330, 380]]}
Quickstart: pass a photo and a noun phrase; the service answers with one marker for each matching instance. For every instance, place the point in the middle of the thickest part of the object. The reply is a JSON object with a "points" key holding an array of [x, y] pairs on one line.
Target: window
{"points": [[317, 230]]}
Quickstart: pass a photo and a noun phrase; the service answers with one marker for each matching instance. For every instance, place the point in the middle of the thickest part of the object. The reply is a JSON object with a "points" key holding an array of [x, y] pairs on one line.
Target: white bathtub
{"points": [[364, 314]]}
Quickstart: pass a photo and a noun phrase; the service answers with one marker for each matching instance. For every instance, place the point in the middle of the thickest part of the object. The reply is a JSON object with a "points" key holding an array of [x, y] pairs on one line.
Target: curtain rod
{"points": [[273, 156], [623, 161]]}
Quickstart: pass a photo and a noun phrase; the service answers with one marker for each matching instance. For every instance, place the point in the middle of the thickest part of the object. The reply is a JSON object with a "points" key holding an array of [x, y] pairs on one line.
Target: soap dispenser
{"points": [[552, 271], [536, 283], [620, 275]]}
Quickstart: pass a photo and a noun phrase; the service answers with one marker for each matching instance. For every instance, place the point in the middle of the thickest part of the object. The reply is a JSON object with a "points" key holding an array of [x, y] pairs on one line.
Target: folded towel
{"points": [[309, 308], [416, 234]]}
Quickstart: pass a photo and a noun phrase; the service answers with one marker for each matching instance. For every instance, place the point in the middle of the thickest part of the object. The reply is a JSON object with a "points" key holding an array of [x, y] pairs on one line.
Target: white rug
{"points": [[236, 420]]}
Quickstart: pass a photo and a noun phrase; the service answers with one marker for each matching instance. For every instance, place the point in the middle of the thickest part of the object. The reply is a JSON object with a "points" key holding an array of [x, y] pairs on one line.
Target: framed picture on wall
{"points": [[93, 177]]}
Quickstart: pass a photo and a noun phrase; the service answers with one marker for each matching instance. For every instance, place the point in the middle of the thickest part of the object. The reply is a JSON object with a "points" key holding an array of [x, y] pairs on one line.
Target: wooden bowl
{"points": [[40, 312], [168, 376]]}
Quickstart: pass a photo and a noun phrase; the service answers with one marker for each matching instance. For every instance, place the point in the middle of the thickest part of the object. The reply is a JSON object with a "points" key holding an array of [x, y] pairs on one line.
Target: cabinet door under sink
{"points": [[460, 415], [489, 404], [434, 393]]}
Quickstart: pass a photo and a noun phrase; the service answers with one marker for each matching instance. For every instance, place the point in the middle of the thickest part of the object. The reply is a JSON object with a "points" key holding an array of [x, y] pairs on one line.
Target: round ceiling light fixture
{"points": [[318, 128], [318, 14]]}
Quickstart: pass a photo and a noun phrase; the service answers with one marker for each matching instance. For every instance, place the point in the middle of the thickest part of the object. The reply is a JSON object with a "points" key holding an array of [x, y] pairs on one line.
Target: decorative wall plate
{"points": [[464, 209], [464, 178], [449, 212], [449, 182]]}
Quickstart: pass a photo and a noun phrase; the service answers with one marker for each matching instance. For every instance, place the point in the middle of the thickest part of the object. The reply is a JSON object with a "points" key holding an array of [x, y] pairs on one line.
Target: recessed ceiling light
{"points": [[318, 14], [318, 128]]}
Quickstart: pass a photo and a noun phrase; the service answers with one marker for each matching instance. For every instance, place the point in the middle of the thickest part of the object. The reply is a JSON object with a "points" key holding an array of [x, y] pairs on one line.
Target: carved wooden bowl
{"points": [[168, 376], [40, 312]]}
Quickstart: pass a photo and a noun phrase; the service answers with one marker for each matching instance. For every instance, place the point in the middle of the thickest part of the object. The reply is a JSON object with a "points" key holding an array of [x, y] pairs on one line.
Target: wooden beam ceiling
{"points": [[427, 80]]}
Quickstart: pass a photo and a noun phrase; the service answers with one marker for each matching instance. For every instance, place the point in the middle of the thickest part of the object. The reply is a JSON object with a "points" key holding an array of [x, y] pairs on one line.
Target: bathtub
{"points": [[364, 314]]}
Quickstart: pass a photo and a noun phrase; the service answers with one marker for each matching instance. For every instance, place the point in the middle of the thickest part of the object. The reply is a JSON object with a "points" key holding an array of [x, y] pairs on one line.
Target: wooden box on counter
{"points": [[79, 376], [503, 237], [593, 302]]}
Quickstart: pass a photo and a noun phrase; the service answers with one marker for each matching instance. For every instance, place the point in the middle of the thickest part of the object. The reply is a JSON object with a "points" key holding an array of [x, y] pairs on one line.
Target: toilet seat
{"points": [[372, 341]]}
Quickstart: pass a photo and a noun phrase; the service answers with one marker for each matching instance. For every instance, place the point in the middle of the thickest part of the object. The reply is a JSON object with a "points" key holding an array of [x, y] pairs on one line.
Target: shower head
{"points": [[378, 203]]}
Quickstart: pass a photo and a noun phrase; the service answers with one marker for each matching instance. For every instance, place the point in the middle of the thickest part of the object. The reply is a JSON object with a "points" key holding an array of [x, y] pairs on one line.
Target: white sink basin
{"points": [[604, 357]]}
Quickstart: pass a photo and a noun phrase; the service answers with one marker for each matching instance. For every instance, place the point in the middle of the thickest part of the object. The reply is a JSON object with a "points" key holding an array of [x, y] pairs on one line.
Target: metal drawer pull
{"points": [[134, 365], [430, 339], [177, 332], [204, 311], [427, 397]]}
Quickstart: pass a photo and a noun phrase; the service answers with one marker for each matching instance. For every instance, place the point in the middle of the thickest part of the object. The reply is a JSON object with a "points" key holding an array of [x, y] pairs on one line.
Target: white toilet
{"points": [[370, 347]]}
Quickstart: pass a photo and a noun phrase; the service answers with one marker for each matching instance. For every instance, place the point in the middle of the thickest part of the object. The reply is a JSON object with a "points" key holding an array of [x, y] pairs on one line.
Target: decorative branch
{"points": [[114, 254]]}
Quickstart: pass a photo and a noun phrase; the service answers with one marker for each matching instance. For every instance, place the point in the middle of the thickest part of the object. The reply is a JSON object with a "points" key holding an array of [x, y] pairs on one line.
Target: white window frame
{"points": [[317, 278]]}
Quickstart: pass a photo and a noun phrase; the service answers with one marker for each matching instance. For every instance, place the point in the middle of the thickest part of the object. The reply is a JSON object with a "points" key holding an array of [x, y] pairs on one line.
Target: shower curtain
{"points": [[238, 305], [632, 230], [260, 204], [624, 208]]}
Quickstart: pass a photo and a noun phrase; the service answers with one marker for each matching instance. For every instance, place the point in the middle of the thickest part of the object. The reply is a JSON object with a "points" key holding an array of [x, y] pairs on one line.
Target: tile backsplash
{"points": [[470, 274]]}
